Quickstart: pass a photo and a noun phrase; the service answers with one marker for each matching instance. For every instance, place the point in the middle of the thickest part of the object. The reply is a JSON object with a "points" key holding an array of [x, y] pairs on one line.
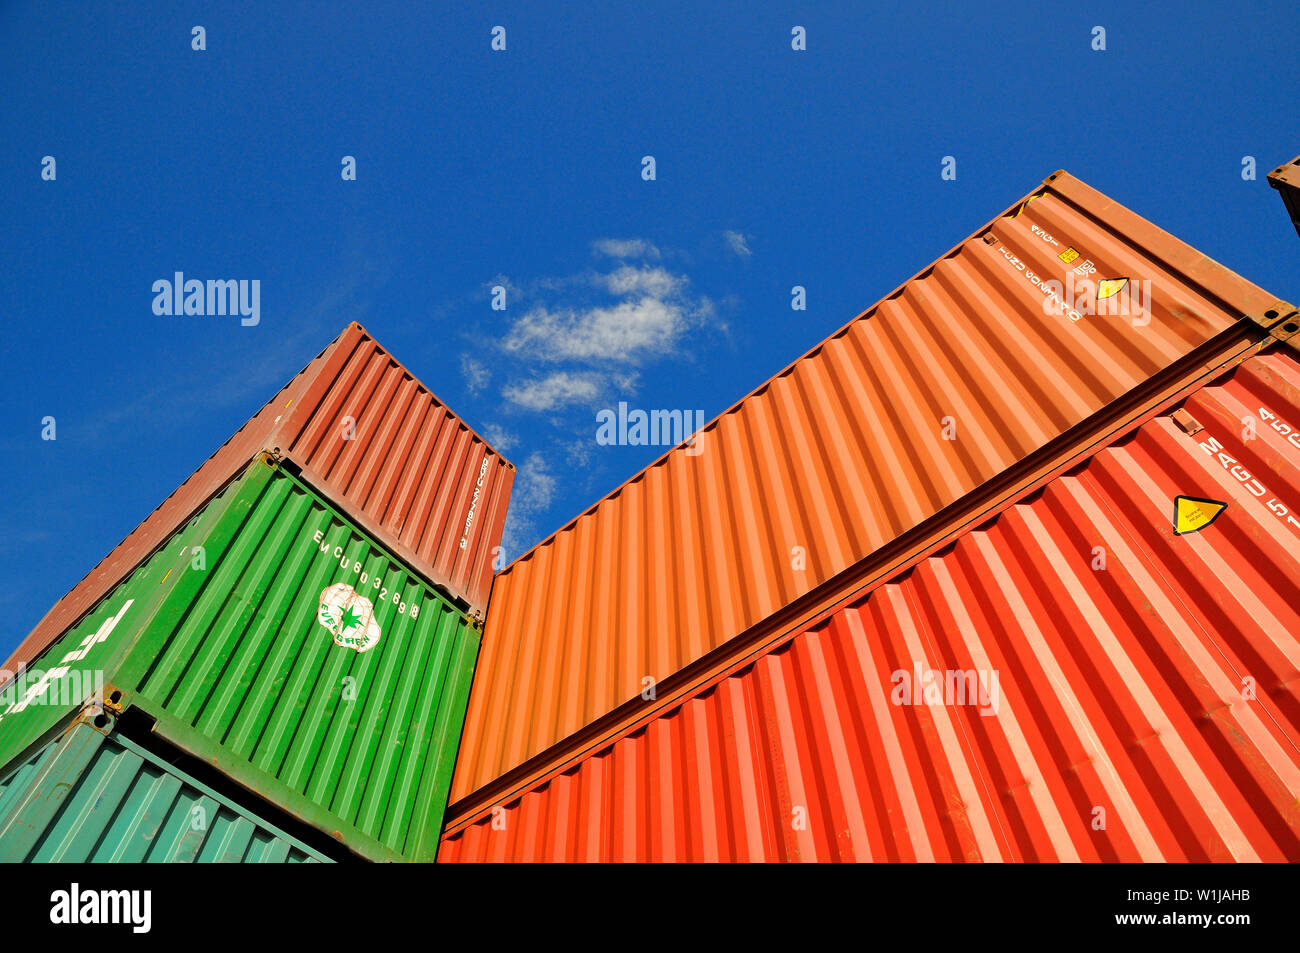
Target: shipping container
{"points": [[1058, 309], [1105, 669], [369, 437], [276, 641], [1286, 179], [92, 795]]}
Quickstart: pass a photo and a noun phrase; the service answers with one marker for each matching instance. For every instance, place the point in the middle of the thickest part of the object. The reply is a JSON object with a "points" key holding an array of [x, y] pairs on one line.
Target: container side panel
{"points": [[312, 667], [1024, 330], [114, 803], [77, 667], [1097, 674]]}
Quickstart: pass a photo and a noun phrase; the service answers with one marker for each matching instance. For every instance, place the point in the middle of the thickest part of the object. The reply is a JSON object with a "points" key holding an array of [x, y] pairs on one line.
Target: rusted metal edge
{"points": [[1286, 330], [1286, 179], [88, 713], [1212, 359]]}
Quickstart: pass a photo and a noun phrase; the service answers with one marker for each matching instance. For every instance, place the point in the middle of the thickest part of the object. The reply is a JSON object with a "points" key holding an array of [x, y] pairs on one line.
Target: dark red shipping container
{"points": [[373, 440]]}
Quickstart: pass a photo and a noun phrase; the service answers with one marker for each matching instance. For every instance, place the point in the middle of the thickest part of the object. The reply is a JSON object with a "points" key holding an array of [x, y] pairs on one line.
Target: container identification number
{"points": [[365, 579], [1286, 430], [1251, 485]]}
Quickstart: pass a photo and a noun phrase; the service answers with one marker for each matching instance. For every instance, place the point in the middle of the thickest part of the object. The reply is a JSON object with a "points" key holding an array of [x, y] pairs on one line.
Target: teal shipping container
{"points": [[275, 641], [92, 795]]}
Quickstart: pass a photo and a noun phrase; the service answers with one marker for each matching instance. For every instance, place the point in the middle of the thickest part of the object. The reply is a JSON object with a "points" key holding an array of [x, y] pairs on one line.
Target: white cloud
{"points": [[599, 344], [533, 492], [578, 453], [555, 390], [501, 439], [626, 332], [629, 280], [738, 242], [476, 375], [625, 248]]}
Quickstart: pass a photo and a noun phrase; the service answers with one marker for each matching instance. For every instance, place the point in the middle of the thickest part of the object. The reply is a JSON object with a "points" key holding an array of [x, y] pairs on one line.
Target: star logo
{"points": [[349, 617], [350, 620]]}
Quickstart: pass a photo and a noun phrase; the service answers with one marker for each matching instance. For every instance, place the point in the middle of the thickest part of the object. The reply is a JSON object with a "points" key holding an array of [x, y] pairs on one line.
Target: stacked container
{"points": [[1286, 179], [667, 678], [1117, 726], [305, 639]]}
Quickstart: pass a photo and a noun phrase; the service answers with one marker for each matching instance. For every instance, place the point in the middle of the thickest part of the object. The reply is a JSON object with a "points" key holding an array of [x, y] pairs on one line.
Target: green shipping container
{"points": [[91, 795], [274, 640]]}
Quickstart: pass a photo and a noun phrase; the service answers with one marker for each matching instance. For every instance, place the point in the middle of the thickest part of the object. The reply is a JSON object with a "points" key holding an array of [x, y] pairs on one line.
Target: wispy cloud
{"points": [[738, 242], [652, 311], [475, 374], [578, 453], [625, 333], [533, 491], [625, 248], [555, 390], [630, 280], [576, 341], [502, 440]]}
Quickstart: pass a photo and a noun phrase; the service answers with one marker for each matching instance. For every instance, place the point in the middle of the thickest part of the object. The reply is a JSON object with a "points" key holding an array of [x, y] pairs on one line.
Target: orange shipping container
{"points": [[961, 372], [371, 439], [1137, 690]]}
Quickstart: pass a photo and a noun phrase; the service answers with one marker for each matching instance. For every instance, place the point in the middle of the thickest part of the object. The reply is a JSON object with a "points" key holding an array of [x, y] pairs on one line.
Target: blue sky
{"points": [[522, 168]]}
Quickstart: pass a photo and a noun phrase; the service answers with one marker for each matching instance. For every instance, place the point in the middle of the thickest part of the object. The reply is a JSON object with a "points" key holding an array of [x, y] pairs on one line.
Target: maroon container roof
{"points": [[375, 442]]}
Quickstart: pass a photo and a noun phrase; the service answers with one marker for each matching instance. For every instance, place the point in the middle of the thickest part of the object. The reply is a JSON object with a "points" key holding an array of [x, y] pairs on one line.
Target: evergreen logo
{"points": [[349, 617]]}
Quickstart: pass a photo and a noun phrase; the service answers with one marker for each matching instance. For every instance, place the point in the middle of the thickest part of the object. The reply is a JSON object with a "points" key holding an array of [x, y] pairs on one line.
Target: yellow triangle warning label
{"points": [[1109, 287], [1192, 513]]}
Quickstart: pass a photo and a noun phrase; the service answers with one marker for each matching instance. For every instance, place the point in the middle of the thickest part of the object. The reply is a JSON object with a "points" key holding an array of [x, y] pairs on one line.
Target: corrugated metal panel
{"points": [[1286, 179], [832, 459], [1148, 686], [371, 438], [95, 797], [223, 638], [412, 473]]}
